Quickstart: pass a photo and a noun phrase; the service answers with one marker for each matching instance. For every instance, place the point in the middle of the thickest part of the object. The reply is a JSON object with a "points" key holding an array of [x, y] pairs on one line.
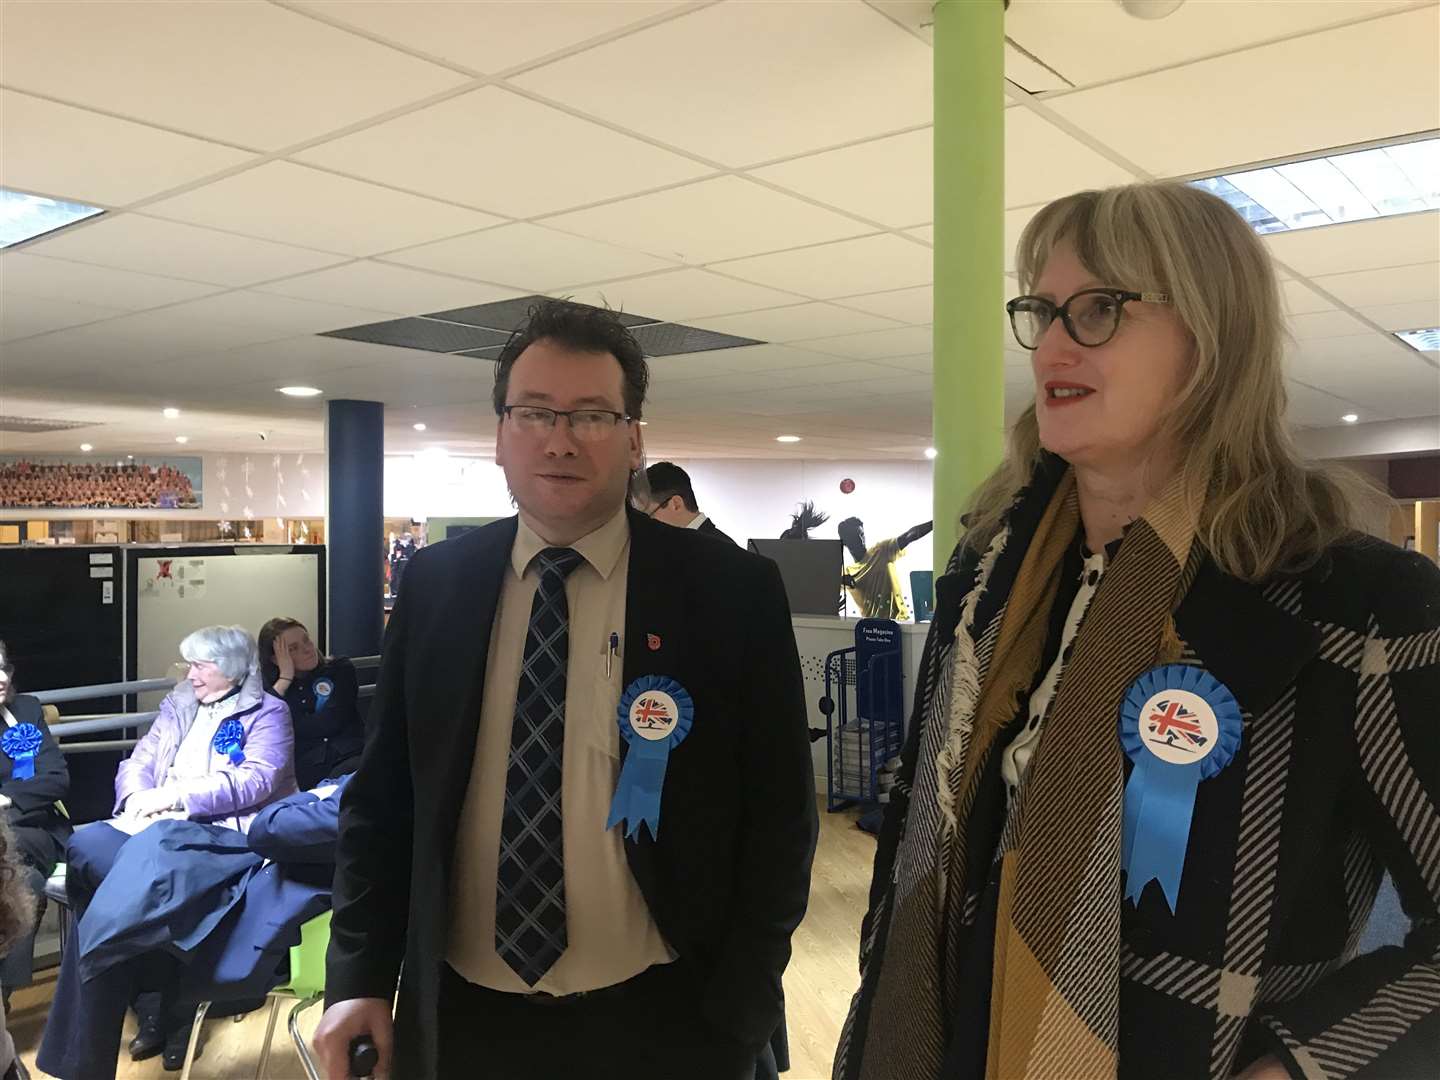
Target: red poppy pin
{"points": [[653, 640]]}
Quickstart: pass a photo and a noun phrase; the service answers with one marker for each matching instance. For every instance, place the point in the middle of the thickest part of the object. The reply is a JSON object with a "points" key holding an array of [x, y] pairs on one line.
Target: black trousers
{"points": [[648, 1028]]}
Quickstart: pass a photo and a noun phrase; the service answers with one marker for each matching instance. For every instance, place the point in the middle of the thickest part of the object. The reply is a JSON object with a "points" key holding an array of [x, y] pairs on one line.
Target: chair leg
{"points": [[269, 1034], [200, 1011], [301, 1048]]}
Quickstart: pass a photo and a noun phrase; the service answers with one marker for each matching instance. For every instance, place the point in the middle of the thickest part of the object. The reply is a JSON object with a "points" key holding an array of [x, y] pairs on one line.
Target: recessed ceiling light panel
{"points": [[24, 216], [1403, 178]]}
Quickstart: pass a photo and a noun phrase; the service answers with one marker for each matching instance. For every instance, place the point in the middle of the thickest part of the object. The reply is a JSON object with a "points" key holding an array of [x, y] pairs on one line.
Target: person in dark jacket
{"points": [[672, 500], [33, 779], [323, 695], [234, 960], [1175, 717]]}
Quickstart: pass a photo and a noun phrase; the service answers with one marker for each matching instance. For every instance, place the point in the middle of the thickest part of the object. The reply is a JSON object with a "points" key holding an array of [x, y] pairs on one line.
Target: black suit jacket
{"points": [[709, 528], [728, 878]]}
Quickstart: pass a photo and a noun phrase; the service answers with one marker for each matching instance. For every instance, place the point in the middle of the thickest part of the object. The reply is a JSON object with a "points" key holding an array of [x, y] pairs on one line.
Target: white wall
{"points": [[240, 487], [747, 499], [750, 499]]}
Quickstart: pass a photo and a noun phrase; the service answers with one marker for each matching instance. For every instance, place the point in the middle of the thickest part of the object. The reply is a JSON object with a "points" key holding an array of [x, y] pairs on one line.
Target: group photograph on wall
{"points": [[40, 482]]}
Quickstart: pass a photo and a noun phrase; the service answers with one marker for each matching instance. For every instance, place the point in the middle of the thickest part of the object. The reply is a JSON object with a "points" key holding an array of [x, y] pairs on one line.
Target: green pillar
{"points": [[969, 418]]}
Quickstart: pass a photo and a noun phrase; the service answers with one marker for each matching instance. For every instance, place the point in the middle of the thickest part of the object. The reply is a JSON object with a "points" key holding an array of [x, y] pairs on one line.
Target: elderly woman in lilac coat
{"points": [[220, 750]]}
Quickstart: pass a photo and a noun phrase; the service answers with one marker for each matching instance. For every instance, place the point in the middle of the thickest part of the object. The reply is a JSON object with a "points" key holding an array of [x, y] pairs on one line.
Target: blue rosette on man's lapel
{"points": [[1179, 725], [229, 740], [655, 715], [21, 743]]}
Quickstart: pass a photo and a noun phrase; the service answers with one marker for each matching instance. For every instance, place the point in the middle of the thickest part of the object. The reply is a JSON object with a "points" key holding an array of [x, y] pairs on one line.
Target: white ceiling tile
{"points": [[23, 316], [496, 150], [1090, 43], [1317, 408], [682, 295], [528, 257], [293, 204], [1015, 222], [1416, 315], [491, 36], [795, 323], [1324, 324], [251, 74], [826, 377], [767, 357], [398, 290], [282, 314], [847, 268], [1165, 122], [24, 274], [1408, 387], [889, 180], [819, 75], [727, 217], [138, 340], [294, 358], [919, 362], [1391, 285], [74, 154], [1300, 299], [876, 344], [903, 305], [1042, 162], [132, 242], [925, 233], [1359, 245]]}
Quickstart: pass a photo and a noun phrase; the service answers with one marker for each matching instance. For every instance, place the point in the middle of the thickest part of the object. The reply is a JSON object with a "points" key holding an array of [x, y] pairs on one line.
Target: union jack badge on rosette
{"points": [[323, 689], [1179, 725], [655, 715]]}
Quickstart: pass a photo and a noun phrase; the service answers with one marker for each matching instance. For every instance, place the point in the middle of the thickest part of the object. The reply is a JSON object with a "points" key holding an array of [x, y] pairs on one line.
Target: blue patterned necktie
{"points": [[530, 885]]}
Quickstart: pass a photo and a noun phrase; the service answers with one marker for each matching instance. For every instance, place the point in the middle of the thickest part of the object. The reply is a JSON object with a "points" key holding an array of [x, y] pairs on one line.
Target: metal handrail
{"points": [[97, 722], [103, 723], [80, 693]]}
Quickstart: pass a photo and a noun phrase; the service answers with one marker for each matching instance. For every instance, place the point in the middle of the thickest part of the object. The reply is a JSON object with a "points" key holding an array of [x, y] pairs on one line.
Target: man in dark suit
{"points": [[536, 674], [672, 500]]}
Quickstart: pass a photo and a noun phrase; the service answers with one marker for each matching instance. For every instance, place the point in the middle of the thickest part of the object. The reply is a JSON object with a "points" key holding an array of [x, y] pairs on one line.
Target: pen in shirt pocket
{"points": [[612, 649]]}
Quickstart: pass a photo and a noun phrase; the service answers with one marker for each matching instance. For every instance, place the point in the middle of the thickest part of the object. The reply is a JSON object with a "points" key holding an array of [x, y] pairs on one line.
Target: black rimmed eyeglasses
{"points": [[1090, 317], [587, 425]]}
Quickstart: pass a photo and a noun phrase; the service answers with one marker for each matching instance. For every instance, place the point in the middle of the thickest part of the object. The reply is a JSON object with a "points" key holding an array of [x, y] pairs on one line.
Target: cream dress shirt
{"points": [[610, 932]]}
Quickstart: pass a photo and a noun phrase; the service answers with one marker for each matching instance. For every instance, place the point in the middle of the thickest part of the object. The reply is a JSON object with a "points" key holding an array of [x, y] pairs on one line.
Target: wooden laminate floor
{"points": [[818, 984]]}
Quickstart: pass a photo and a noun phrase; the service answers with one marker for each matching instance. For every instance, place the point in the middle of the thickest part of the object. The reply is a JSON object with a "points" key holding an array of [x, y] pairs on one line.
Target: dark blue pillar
{"points": [[354, 526]]}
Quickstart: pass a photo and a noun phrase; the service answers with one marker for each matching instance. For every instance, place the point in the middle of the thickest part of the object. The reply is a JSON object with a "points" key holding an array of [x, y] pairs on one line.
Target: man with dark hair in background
{"points": [[581, 835], [672, 500]]}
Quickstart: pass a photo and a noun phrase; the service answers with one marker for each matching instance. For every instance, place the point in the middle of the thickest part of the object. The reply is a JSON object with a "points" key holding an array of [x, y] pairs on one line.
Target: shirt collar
{"points": [[600, 548], [697, 521]]}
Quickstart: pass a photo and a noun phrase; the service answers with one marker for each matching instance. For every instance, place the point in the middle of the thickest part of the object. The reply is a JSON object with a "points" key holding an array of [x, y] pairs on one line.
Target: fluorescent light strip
{"points": [[1403, 178], [24, 216]]}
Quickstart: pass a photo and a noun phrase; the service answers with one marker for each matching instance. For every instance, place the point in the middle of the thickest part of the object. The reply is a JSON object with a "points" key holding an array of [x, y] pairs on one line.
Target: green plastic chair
{"points": [[307, 983]]}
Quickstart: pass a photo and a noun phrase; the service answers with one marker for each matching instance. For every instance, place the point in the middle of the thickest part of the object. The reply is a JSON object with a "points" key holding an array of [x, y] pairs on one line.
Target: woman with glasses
{"points": [[1176, 714], [219, 750]]}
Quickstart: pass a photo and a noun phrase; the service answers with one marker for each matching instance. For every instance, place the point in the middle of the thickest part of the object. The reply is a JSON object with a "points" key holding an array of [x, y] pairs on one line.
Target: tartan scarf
{"points": [[1055, 979]]}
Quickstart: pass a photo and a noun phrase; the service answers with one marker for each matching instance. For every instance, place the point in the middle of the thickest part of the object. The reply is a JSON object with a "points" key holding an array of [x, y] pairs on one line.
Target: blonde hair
{"points": [[1262, 509]]}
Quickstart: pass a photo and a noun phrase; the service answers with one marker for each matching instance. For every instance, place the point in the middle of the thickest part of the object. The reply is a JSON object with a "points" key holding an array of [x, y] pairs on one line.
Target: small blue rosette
{"points": [[1179, 725], [323, 689], [229, 738], [21, 743], [655, 715]]}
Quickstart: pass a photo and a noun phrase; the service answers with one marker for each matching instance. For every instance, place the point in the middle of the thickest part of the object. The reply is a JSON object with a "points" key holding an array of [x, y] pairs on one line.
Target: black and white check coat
{"points": [[1337, 779]]}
